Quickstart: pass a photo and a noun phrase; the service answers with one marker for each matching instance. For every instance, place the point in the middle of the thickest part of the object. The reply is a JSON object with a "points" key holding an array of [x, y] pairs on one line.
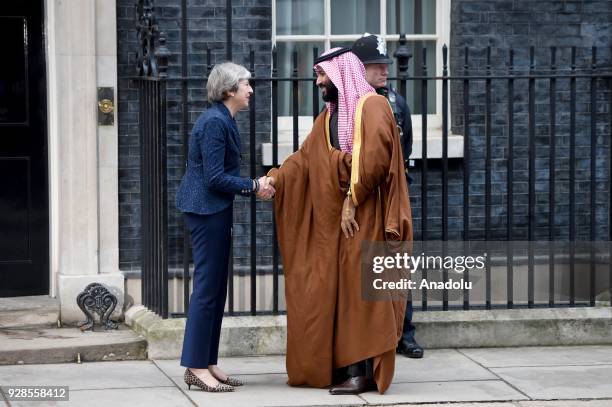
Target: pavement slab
{"points": [[267, 390], [560, 382], [489, 377], [566, 403], [233, 366], [534, 403], [439, 365], [428, 392], [541, 356], [95, 375], [494, 404], [137, 397]]}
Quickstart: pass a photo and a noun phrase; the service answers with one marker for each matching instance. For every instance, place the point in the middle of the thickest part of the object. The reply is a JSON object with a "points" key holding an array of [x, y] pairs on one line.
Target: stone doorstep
{"points": [[34, 345], [40, 310], [266, 335]]}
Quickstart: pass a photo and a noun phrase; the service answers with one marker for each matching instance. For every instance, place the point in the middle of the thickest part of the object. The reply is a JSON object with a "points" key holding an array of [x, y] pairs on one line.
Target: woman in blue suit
{"points": [[205, 196]]}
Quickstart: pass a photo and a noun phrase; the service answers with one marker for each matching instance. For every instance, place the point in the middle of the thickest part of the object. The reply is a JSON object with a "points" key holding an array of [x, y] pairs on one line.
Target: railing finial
{"points": [[148, 57], [403, 55], [162, 53]]}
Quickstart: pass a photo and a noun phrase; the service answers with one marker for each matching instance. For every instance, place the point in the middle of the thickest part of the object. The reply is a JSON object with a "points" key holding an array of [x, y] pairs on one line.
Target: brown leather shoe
{"points": [[353, 385]]}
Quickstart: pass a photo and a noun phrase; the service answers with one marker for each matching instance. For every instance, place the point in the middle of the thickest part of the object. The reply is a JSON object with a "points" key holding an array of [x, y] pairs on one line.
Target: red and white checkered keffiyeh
{"points": [[348, 74]]}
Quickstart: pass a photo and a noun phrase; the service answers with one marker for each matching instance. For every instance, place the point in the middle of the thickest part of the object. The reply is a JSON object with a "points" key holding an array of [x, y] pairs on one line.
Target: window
{"points": [[304, 24]]}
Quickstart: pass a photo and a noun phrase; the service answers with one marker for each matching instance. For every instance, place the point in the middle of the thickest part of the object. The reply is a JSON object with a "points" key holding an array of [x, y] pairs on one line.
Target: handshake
{"points": [[266, 188]]}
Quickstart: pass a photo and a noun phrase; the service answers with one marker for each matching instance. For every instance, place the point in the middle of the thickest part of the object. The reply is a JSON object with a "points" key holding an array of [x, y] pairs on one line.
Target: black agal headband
{"points": [[327, 57]]}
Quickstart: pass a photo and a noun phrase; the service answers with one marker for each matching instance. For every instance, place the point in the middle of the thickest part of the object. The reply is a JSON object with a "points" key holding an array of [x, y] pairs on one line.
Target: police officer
{"points": [[372, 51]]}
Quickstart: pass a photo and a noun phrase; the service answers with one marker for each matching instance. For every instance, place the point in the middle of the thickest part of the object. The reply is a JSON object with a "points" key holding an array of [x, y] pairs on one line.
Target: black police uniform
{"points": [[401, 112], [369, 50]]}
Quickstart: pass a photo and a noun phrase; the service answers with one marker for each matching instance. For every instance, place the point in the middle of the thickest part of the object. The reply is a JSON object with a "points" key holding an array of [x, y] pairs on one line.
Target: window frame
{"points": [[441, 37]]}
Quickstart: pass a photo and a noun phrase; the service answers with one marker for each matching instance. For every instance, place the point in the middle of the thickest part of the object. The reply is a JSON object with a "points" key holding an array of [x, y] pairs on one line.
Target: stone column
{"points": [[83, 156]]}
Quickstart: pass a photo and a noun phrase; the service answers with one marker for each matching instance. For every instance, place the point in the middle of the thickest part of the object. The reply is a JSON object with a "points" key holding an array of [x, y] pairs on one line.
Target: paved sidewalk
{"points": [[501, 377]]}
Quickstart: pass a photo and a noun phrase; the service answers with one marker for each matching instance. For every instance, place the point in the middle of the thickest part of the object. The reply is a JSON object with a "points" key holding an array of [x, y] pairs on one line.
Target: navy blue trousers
{"points": [[409, 329], [210, 239]]}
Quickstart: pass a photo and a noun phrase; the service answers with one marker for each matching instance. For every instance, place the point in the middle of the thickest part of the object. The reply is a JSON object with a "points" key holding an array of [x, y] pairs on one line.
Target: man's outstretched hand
{"points": [[266, 188]]}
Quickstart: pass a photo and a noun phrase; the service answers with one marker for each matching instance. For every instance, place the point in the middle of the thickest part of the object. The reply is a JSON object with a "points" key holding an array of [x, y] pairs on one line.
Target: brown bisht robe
{"points": [[328, 324]]}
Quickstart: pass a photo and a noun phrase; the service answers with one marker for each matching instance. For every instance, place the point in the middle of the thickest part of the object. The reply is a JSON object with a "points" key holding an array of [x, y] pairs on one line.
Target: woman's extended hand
{"points": [[266, 188], [348, 224]]}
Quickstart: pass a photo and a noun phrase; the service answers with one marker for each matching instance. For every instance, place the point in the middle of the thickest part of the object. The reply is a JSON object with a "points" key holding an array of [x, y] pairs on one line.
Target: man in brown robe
{"points": [[344, 186]]}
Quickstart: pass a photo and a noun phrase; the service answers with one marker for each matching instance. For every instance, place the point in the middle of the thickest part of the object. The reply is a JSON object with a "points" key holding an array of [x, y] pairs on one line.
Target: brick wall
{"points": [[251, 22], [501, 24]]}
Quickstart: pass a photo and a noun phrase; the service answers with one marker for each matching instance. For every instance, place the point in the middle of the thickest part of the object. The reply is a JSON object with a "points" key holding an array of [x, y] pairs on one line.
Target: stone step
{"points": [[39, 310], [59, 345], [267, 334]]}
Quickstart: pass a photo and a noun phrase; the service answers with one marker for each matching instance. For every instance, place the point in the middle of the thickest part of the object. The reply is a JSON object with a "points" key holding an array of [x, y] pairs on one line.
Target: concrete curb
{"points": [[266, 335], [240, 336], [515, 327]]}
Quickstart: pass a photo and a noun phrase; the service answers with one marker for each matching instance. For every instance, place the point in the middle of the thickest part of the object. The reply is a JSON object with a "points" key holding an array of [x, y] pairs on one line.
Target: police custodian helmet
{"points": [[371, 49]]}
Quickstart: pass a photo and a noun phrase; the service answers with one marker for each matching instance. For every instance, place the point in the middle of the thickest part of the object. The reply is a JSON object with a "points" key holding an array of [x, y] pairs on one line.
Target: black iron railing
{"points": [[512, 116], [155, 269], [151, 83]]}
